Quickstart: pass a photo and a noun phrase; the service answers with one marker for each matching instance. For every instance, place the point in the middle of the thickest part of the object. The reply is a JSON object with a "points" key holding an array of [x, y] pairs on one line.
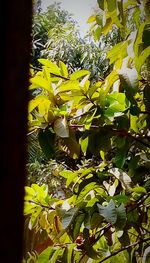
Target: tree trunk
{"points": [[15, 57]]}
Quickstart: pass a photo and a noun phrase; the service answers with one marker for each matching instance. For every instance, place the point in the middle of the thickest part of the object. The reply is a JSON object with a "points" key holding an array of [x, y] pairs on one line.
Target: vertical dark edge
{"points": [[15, 31]]}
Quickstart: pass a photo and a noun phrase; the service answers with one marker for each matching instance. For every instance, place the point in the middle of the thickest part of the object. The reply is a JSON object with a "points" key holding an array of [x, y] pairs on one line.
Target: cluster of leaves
{"points": [[48, 173], [103, 130]]}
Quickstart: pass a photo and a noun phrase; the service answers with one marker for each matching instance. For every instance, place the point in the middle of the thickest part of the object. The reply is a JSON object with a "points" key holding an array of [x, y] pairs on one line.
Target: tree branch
{"points": [[124, 248], [53, 74]]}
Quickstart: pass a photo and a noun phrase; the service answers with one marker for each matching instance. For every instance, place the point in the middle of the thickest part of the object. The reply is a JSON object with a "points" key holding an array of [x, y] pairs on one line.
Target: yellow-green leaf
{"points": [[40, 82], [68, 86], [107, 26], [36, 102], [52, 66], [79, 74], [91, 19], [139, 61], [84, 144], [64, 70]]}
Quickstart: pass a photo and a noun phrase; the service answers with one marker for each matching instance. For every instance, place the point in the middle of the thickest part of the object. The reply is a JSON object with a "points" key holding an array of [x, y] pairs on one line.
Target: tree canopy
{"points": [[95, 136]]}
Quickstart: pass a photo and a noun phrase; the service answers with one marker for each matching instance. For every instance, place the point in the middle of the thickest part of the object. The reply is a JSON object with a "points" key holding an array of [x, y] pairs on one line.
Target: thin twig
{"points": [[53, 74], [130, 8], [36, 203], [124, 248]]}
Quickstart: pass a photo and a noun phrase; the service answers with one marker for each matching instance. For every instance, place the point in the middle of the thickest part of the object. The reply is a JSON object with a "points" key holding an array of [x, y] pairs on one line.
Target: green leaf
{"points": [[117, 51], [84, 143], [46, 140], [109, 81], [61, 127], [88, 247], [77, 225], [84, 184], [121, 217], [108, 26], [139, 189], [55, 255], [101, 4], [29, 208], [138, 41], [52, 66], [108, 212], [96, 220], [90, 186], [97, 33], [69, 175], [68, 254], [116, 102], [63, 68], [139, 61], [68, 217], [111, 5], [121, 151], [45, 255], [79, 74], [136, 17]]}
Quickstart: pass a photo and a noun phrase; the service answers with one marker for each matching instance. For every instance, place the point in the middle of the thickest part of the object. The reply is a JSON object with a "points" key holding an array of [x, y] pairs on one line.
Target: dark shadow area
{"points": [[15, 56]]}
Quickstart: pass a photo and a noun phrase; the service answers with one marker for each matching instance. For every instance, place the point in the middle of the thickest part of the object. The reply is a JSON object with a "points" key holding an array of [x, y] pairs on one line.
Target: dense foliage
{"points": [[56, 37], [95, 136]]}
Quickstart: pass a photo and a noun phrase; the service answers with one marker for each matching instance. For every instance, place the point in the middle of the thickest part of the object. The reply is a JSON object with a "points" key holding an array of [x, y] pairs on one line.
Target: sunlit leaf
{"points": [[139, 189], [40, 82], [45, 255], [61, 127], [84, 144], [64, 70], [91, 19], [55, 255], [107, 26], [97, 33], [52, 66], [138, 41], [79, 74], [69, 86], [139, 61], [117, 51]]}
